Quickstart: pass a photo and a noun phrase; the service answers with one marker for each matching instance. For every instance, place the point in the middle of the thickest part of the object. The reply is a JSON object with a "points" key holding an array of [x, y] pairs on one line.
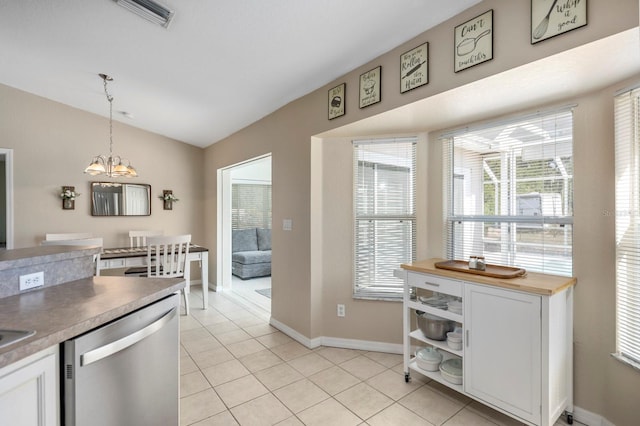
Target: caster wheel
{"points": [[406, 377], [570, 419]]}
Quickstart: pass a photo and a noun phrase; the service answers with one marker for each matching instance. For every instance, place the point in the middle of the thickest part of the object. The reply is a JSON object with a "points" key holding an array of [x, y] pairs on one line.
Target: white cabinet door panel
{"points": [[29, 391], [502, 358]]}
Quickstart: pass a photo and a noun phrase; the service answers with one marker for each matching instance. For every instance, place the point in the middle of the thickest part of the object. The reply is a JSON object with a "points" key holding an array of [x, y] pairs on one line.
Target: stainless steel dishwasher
{"points": [[125, 372]]}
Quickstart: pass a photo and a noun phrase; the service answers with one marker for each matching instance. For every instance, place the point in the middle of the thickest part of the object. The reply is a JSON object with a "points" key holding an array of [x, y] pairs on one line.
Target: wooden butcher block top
{"points": [[530, 282]]}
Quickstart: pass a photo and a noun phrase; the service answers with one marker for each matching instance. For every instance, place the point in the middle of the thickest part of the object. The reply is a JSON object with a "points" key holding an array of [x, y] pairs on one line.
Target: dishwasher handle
{"points": [[123, 343]]}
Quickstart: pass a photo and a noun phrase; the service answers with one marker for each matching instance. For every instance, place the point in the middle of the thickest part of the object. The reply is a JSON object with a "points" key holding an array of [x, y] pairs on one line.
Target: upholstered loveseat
{"points": [[251, 252]]}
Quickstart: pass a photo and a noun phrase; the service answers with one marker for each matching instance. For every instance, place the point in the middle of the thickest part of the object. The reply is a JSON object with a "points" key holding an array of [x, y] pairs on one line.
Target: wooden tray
{"points": [[495, 271]]}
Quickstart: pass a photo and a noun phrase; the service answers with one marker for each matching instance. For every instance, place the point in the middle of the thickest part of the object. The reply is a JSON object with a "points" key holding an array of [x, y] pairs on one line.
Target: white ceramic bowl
{"points": [[451, 370], [456, 380], [454, 345], [428, 359], [454, 336]]}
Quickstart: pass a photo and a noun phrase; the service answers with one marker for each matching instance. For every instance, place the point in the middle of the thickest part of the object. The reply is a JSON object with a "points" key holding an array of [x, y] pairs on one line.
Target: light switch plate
{"points": [[286, 224]]}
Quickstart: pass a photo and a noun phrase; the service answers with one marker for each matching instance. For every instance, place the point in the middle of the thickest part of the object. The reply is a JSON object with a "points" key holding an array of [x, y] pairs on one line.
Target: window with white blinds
{"points": [[627, 217], [384, 174], [509, 192], [250, 206]]}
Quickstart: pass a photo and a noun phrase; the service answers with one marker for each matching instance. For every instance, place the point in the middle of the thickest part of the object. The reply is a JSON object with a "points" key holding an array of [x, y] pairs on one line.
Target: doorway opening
{"points": [[244, 233]]}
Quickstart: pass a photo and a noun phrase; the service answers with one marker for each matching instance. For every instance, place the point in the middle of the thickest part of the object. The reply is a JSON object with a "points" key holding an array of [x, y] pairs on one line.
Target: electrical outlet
{"points": [[341, 310], [30, 281]]}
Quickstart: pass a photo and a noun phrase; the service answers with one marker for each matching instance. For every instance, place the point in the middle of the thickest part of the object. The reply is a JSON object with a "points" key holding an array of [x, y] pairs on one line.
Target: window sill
{"points": [[378, 298], [627, 361]]}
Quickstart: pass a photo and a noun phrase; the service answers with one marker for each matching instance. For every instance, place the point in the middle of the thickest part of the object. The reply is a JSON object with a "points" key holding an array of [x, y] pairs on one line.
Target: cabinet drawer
{"points": [[434, 283]]}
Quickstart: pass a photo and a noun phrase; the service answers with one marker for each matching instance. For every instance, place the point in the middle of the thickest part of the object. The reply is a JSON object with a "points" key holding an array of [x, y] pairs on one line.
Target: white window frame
{"points": [[465, 231], [380, 283], [627, 219]]}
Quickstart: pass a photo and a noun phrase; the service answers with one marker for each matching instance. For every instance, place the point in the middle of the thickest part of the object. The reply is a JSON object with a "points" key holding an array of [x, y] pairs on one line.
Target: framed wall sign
{"points": [[337, 101], [473, 42], [550, 18], [414, 68], [370, 87]]}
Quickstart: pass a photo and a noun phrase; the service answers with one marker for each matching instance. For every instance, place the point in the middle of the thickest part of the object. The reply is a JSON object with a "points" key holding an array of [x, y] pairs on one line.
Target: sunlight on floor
{"points": [[244, 292]]}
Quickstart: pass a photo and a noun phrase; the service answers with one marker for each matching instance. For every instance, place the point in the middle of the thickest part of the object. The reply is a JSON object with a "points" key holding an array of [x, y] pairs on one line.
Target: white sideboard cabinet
{"points": [[517, 338], [29, 390]]}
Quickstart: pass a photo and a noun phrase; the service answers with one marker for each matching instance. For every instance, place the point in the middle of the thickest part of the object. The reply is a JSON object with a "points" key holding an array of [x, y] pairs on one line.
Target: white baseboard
{"points": [[198, 283], [337, 342], [590, 419], [363, 345], [304, 340]]}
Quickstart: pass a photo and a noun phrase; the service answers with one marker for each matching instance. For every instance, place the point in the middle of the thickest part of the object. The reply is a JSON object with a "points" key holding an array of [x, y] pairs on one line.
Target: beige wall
{"points": [[312, 180], [53, 143]]}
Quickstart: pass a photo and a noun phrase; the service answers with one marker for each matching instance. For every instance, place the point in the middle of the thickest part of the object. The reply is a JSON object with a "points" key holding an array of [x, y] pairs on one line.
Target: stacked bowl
{"points": [[451, 371], [454, 340], [455, 306]]}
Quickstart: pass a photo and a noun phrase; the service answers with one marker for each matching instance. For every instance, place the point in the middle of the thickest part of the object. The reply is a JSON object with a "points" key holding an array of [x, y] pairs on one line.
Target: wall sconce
{"points": [[68, 195], [168, 199]]}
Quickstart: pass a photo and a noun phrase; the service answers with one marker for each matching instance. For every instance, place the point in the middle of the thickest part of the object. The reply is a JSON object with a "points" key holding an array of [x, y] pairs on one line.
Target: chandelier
{"points": [[111, 165]]}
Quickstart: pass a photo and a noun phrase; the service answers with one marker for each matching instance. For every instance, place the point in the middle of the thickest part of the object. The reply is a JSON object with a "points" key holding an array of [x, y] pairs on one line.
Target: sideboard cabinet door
{"points": [[502, 354]]}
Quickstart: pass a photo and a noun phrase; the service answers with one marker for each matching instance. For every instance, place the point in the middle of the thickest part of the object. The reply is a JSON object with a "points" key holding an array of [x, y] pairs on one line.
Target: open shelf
{"points": [[434, 375], [435, 311], [418, 335]]}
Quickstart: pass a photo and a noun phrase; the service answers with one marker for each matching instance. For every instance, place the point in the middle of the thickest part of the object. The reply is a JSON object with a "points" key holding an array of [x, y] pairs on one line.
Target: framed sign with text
{"points": [[473, 42], [414, 68], [336, 101], [550, 18], [370, 87]]}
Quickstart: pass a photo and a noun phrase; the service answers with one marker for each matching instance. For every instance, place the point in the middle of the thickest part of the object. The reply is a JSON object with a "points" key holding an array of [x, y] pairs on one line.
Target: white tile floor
{"points": [[238, 370]]}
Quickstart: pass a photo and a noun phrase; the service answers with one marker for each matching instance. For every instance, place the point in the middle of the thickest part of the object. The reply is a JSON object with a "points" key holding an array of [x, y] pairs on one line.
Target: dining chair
{"points": [[78, 242], [138, 239], [166, 258]]}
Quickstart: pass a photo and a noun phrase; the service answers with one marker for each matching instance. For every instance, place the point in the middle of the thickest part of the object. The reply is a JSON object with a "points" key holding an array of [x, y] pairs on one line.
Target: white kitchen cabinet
{"points": [[517, 339], [502, 357], [29, 390]]}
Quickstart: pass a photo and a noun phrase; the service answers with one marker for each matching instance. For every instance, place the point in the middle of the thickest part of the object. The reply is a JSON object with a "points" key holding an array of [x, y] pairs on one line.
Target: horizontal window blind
{"points": [[509, 192], [250, 206], [385, 218], [627, 218]]}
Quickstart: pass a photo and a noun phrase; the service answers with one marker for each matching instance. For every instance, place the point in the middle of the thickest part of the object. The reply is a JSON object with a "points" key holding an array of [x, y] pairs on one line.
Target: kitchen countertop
{"points": [[17, 258], [61, 312], [531, 282]]}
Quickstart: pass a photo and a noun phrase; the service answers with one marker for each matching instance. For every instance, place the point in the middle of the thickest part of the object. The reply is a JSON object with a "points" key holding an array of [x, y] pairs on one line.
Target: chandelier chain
{"points": [[110, 99]]}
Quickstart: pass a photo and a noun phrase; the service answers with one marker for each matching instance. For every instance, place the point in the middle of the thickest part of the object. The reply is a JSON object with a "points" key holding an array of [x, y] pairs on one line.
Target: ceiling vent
{"points": [[149, 10]]}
